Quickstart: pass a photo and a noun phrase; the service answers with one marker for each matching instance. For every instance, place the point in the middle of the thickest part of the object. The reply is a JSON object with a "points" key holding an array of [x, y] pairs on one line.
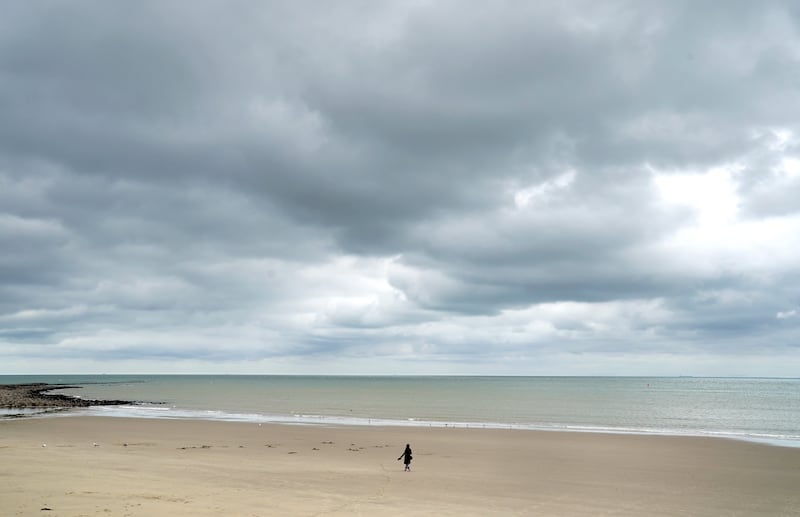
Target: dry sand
{"points": [[170, 467]]}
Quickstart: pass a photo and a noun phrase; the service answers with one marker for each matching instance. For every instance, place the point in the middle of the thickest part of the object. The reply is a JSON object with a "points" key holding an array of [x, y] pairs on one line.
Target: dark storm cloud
{"points": [[388, 179]]}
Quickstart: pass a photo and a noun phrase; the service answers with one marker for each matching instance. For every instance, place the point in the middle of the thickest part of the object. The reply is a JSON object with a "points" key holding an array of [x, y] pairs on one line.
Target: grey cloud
{"points": [[195, 169]]}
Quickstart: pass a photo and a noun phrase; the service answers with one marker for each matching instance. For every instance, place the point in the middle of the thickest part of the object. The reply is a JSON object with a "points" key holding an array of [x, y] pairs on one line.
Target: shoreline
{"points": [[140, 412], [97, 411], [96, 465]]}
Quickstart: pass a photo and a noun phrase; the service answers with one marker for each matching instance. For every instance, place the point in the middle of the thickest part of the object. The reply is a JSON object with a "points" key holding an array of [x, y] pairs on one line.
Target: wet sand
{"points": [[71, 466]]}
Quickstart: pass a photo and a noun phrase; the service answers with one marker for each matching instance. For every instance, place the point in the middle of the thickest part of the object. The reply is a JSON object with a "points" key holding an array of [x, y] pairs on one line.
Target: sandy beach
{"points": [[71, 466]]}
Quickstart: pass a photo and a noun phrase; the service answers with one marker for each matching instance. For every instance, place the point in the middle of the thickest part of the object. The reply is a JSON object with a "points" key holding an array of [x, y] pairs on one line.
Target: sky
{"points": [[414, 187]]}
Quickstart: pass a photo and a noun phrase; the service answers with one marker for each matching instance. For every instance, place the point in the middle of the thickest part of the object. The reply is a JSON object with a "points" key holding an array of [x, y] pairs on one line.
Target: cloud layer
{"points": [[431, 187]]}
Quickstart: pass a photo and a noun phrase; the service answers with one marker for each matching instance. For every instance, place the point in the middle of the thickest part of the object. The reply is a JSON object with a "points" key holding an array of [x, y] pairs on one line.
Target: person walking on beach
{"points": [[406, 457]]}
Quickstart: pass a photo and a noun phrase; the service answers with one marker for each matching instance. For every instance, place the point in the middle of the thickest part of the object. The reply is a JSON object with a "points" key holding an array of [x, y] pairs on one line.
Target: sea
{"points": [[756, 409]]}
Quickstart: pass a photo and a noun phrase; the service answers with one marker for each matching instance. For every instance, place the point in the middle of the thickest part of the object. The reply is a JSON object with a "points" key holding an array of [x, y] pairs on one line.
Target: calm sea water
{"points": [[753, 409]]}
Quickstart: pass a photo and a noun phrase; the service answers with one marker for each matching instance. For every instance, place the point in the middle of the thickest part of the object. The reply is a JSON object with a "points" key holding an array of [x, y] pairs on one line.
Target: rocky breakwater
{"points": [[25, 396]]}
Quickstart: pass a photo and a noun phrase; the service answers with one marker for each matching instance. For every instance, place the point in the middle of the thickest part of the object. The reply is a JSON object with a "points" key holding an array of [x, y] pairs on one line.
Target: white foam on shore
{"points": [[11, 412], [167, 412]]}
